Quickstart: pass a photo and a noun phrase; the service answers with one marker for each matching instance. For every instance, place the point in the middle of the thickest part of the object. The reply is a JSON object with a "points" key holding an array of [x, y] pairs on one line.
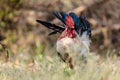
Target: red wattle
{"points": [[71, 33]]}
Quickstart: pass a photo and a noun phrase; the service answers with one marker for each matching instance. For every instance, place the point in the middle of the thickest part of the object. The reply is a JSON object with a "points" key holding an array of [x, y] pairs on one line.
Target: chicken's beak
{"points": [[73, 27]]}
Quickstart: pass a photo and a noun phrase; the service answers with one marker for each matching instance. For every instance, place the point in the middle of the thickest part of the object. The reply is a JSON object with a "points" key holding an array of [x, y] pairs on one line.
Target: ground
{"points": [[53, 69]]}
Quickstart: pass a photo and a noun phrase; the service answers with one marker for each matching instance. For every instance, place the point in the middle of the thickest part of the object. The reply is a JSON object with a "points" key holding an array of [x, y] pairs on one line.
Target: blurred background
{"points": [[22, 38], [28, 53]]}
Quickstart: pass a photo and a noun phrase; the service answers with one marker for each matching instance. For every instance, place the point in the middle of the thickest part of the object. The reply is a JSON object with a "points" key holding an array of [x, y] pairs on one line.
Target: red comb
{"points": [[69, 22]]}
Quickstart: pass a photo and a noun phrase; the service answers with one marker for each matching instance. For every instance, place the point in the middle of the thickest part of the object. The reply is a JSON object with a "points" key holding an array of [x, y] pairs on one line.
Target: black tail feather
{"points": [[54, 32], [57, 29], [58, 15], [61, 16]]}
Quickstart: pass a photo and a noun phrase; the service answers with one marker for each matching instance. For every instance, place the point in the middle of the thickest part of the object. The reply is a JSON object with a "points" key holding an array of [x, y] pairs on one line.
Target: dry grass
{"points": [[52, 69]]}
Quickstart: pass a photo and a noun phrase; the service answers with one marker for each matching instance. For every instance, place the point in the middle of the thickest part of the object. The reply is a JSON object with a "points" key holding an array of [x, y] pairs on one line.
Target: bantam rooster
{"points": [[74, 40]]}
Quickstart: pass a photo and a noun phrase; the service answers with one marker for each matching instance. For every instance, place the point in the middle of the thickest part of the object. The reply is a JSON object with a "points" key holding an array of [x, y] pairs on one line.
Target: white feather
{"points": [[85, 39]]}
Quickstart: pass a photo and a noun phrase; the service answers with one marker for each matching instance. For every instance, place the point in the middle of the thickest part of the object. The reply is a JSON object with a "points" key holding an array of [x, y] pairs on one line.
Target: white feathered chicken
{"points": [[74, 40]]}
